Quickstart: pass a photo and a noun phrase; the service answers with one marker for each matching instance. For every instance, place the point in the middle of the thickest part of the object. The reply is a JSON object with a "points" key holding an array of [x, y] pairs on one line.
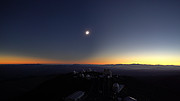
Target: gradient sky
{"points": [[121, 31]]}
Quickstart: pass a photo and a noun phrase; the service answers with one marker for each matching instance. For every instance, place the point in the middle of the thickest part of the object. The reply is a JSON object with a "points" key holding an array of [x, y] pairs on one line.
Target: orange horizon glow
{"points": [[5, 59]]}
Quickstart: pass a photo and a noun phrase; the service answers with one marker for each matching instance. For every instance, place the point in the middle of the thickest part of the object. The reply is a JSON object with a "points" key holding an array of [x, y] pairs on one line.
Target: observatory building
{"points": [[75, 96]]}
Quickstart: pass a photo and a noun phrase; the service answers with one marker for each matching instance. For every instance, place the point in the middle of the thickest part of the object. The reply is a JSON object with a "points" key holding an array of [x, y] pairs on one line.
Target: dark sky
{"points": [[121, 31]]}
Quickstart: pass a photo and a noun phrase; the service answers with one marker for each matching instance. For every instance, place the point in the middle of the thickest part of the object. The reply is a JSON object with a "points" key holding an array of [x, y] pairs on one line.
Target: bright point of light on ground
{"points": [[87, 32]]}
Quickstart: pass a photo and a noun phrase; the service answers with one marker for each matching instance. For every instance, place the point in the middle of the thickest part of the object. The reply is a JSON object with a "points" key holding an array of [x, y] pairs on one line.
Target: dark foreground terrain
{"points": [[56, 85]]}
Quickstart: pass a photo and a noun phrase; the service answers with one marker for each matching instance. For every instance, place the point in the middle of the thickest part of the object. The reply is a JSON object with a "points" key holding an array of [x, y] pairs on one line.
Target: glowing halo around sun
{"points": [[87, 32]]}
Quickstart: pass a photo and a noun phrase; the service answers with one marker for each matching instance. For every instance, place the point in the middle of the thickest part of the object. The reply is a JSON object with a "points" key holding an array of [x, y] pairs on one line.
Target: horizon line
{"points": [[89, 64]]}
